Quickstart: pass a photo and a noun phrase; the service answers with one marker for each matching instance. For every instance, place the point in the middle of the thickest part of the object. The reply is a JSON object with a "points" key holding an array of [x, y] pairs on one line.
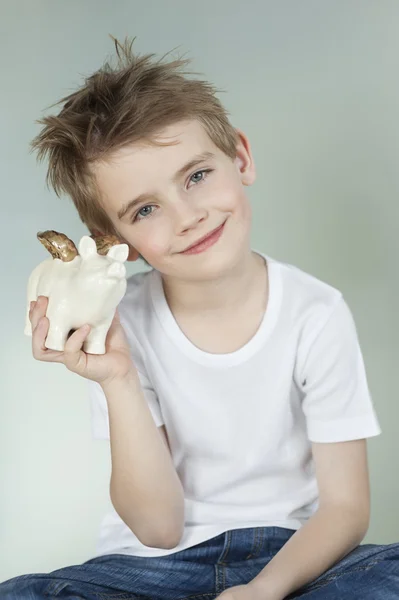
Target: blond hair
{"points": [[116, 107]]}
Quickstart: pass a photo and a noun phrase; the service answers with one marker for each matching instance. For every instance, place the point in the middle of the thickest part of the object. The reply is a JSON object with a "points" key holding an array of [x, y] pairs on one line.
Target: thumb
{"points": [[73, 354]]}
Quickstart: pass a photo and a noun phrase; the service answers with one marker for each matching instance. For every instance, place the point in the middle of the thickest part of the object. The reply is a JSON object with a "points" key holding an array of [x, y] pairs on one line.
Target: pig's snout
{"points": [[116, 270]]}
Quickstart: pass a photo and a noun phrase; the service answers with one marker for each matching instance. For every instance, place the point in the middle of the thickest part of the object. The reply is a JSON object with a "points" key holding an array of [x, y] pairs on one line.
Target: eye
{"points": [[199, 176], [142, 213]]}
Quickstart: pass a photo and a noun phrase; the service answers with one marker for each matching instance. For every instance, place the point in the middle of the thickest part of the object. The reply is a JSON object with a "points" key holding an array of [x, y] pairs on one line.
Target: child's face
{"points": [[180, 203]]}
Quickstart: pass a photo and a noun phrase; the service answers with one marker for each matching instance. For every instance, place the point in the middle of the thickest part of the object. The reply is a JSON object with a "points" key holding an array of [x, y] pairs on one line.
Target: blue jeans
{"points": [[370, 572]]}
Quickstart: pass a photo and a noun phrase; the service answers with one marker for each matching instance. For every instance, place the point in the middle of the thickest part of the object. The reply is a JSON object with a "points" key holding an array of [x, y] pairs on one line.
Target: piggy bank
{"points": [[83, 285]]}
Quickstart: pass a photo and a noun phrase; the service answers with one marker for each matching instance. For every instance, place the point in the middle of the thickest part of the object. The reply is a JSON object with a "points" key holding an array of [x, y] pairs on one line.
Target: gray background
{"points": [[315, 86]]}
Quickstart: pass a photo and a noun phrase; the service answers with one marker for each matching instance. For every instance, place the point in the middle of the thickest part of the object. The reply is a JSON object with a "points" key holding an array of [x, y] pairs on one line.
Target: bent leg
{"points": [[118, 577], [25, 587], [370, 572]]}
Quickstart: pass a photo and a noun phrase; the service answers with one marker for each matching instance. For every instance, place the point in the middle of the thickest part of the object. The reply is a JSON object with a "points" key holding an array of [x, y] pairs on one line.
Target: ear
{"points": [[244, 159], [95, 232], [119, 252], [133, 254], [87, 247]]}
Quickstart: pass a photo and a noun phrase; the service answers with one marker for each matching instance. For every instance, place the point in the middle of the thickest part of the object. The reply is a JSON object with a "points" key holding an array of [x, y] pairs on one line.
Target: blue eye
{"points": [[140, 215], [199, 176], [145, 214], [196, 177]]}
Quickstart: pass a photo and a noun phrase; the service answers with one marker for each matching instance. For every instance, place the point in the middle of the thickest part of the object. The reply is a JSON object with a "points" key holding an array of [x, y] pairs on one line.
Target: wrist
{"points": [[263, 588], [120, 381]]}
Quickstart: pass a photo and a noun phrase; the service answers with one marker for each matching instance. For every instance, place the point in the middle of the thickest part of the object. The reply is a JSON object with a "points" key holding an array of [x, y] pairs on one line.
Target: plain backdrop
{"points": [[315, 86]]}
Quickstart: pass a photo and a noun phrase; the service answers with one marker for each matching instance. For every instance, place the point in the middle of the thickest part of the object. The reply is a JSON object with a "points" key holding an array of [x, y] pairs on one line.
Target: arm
{"points": [[337, 527], [145, 489], [339, 417]]}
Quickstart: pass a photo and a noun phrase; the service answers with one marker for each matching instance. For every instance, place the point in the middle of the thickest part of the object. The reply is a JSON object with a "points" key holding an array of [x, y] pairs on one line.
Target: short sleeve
{"points": [[336, 398]]}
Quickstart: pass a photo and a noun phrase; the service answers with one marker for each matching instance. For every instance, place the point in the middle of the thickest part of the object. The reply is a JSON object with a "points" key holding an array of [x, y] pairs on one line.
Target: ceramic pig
{"points": [[82, 286]]}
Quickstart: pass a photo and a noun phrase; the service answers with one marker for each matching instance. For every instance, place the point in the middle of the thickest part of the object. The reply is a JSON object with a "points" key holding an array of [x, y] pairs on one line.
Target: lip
{"points": [[208, 240]]}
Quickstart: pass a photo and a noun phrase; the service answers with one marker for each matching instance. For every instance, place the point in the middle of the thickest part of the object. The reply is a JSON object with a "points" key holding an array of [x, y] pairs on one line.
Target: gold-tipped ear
{"points": [[105, 242], [58, 244]]}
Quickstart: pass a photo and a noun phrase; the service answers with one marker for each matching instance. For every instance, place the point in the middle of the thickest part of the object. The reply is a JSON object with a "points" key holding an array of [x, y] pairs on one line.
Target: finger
{"points": [[39, 334], [73, 354], [39, 310], [39, 350], [31, 307]]}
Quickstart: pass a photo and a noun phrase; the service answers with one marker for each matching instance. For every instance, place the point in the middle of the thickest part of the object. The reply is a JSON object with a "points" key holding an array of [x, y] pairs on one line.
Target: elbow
{"points": [[363, 525], [168, 541], [166, 526], [154, 526], [156, 535], [164, 529], [156, 531], [165, 538]]}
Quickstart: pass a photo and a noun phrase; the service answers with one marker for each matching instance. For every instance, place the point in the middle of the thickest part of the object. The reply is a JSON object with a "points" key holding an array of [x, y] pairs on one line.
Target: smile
{"points": [[206, 242]]}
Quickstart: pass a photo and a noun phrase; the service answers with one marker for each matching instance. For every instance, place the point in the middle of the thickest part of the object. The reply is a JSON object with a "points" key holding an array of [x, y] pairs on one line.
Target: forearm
{"points": [[145, 489], [329, 535]]}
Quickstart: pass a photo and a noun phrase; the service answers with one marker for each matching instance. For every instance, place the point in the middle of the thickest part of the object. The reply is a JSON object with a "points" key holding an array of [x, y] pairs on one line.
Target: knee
{"points": [[24, 587]]}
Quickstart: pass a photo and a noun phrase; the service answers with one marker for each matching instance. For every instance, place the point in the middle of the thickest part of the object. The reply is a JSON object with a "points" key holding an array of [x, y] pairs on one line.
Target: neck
{"points": [[231, 291]]}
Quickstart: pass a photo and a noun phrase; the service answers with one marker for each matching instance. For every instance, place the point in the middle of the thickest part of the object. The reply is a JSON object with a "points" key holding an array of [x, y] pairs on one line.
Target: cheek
{"points": [[237, 203], [230, 194], [148, 240], [154, 242], [246, 208], [241, 211]]}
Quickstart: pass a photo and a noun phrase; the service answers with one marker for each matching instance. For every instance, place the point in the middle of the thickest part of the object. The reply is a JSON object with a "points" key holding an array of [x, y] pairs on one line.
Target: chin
{"points": [[215, 263]]}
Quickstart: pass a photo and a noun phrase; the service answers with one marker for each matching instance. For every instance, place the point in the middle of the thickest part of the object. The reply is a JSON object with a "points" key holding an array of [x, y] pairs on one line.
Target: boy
{"points": [[233, 389]]}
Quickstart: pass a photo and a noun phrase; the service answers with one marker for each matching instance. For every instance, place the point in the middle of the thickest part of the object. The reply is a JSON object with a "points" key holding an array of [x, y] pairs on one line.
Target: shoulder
{"points": [[304, 297], [305, 284], [314, 311], [307, 305]]}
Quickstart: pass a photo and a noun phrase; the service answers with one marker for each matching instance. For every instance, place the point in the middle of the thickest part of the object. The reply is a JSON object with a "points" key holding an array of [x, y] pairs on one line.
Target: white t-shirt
{"points": [[240, 425]]}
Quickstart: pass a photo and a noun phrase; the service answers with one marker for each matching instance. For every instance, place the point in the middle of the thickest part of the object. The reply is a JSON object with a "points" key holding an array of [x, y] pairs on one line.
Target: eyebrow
{"points": [[199, 158]]}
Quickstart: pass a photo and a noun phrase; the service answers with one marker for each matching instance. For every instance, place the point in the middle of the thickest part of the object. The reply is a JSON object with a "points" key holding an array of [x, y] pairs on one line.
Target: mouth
{"points": [[205, 242]]}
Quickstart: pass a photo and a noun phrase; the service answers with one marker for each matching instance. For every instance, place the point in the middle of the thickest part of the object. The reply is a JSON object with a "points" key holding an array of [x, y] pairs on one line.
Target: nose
{"points": [[188, 215]]}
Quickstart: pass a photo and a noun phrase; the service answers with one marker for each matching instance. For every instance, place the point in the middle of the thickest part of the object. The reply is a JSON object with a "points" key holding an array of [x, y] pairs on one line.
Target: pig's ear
{"points": [[87, 247], [119, 252]]}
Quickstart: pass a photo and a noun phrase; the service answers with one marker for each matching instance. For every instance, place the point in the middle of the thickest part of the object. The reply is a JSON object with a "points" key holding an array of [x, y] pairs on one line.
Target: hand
{"points": [[116, 363], [243, 592]]}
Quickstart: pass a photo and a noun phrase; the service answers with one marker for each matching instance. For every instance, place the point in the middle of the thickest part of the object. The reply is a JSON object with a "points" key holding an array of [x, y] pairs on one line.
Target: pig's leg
{"points": [[59, 326], [95, 341], [56, 337]]}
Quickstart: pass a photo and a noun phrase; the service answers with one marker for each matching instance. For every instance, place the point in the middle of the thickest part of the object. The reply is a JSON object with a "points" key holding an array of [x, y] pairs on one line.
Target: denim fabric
{"points": [[371, 572]]}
